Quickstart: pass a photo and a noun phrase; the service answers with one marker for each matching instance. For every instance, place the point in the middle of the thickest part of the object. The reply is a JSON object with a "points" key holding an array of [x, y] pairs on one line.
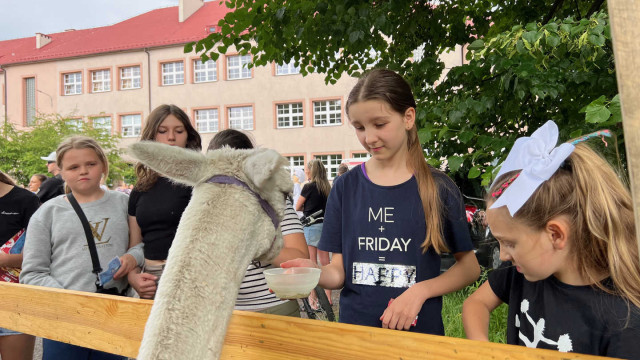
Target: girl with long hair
{"points": [[565, 224], [387, 221], [155, 203]]}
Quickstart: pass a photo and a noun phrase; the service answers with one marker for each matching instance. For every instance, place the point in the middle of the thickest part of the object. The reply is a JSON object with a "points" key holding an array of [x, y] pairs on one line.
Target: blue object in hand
{"points": [[107, 275]]}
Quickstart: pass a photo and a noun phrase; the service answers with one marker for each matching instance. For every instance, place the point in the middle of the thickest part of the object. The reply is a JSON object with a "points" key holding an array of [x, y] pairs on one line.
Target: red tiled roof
{"points": [[152, 29]]}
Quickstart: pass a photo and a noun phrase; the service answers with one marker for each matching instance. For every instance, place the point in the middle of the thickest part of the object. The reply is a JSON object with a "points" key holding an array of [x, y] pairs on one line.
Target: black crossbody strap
{"points": [[87, 231]]}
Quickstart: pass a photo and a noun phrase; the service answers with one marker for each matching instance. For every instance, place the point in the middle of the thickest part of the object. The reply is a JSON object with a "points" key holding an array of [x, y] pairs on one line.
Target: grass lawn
{"points": [[452, 314]]}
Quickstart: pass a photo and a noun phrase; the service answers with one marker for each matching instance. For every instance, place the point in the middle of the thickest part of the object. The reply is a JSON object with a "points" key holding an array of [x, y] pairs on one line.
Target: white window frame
{"points": [[72, 83], [237, 65], [133, 125], [295, 161], [207, 71], [240, 117], [361, 155], [103, 123], [206, 122], [287, 69], [172, 73], [134, 78], [286, 118], [325, 114], [30, 100], [100, 80], [331, 162]]}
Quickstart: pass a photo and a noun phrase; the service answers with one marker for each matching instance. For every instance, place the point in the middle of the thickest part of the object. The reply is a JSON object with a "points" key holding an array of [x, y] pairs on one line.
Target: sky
{"points": [[24, 18]]}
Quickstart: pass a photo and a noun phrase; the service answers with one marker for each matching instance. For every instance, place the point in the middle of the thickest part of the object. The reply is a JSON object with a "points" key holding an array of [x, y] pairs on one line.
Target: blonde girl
{"points": [[565, 223], [387, 221], [56, 253]]}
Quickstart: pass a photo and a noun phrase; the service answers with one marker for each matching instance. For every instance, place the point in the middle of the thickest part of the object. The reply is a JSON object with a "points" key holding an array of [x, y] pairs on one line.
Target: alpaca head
{"points": [[261, 169]]}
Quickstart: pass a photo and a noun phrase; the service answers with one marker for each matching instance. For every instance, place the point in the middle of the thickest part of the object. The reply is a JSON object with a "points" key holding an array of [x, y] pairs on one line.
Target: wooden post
{"points": [[625, 17], [116, 324]]}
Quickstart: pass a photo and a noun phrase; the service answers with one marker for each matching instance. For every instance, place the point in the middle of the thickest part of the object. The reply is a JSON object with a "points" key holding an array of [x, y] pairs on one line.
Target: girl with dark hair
{"points": [[566, 228], [388, 220], [254, 294], [35, 182], [17, 205], [156, 204]]}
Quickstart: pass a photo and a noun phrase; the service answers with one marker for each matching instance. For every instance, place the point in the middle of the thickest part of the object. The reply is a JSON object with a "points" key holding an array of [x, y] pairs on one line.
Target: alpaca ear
{"points": [[176, 163], [265, 167]]}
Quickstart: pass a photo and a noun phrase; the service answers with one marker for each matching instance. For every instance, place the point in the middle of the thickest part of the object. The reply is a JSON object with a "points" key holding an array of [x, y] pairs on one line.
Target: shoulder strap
{"points": [[87, 232]]}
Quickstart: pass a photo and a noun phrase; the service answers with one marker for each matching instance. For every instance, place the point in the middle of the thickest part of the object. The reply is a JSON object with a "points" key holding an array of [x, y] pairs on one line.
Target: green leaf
{"points": [[424, 135], [599, 115], [596, 40], [280, 13], [465, 136], [531, 26], [530, 36], [476, 45], [474, 172], [188, 47], [553, 40], [574, 134], [614, 107], [455, 162]]}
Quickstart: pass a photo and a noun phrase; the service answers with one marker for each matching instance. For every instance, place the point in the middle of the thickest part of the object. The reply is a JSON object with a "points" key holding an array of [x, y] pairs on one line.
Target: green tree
{"points": [[20, 150], [529, 61]]}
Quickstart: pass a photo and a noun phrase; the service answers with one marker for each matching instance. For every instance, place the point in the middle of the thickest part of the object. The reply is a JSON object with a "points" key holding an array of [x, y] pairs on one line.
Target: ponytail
{"points": [[428, 190]]}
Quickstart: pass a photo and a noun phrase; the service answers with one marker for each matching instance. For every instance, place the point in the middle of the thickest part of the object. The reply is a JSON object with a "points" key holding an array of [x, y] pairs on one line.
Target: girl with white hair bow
{"points": [[565, 223]]}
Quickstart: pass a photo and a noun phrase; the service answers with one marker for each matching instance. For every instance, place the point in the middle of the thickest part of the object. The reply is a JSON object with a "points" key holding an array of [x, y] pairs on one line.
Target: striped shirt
{"points": [[254, 293]]}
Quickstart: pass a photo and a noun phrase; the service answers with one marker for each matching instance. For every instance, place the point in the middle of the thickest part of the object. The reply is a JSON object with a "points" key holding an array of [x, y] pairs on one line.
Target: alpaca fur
{"points": [[222, 229]]}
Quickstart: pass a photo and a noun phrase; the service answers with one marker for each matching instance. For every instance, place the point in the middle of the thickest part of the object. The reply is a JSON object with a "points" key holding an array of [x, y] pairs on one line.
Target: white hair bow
{"points": [[538, 158]]}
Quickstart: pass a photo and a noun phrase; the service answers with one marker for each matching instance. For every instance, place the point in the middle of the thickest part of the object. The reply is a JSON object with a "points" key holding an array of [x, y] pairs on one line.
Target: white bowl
{"points": [[292, 283]]}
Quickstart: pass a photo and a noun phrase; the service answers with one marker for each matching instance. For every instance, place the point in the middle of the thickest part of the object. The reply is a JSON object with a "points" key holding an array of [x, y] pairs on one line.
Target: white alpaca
{"points": [[222, 229]]}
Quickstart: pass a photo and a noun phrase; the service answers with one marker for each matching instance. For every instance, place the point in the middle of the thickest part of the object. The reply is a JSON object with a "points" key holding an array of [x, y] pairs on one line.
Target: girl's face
{"points": [[34, 183], [172, 132], [533, 252], [381, 130], [82, 170]]}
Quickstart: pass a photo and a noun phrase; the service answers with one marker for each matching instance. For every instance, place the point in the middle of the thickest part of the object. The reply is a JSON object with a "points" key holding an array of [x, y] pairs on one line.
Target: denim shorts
{"points": [[6, 332], [312, 234]]}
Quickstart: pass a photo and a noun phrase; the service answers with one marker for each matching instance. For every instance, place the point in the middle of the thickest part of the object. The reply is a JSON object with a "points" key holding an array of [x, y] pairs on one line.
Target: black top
{"points": [[314, 200], [51, 188], [158, 211], [16, 208], [550, 314]]}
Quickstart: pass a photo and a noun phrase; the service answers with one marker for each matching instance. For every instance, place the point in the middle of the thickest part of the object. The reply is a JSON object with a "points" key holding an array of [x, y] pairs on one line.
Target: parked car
{"points": [[485, 246]]}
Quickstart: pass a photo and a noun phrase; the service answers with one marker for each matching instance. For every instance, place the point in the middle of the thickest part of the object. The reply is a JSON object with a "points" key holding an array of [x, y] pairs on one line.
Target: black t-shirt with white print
{"points": [[550, 314], [16, 208]]}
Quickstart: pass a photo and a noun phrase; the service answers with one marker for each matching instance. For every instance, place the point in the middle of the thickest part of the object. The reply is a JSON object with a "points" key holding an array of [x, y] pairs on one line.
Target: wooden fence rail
{"points": [[116, 324]]}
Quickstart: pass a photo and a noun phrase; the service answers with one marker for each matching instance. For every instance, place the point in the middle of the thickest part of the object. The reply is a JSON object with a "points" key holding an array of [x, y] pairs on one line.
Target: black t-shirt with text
{"points": [[550, 314], [16, 208]]}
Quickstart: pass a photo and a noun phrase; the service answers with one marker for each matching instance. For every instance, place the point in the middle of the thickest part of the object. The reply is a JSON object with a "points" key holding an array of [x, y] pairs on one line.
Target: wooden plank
{"points": [[116, 324], [625, 17]]}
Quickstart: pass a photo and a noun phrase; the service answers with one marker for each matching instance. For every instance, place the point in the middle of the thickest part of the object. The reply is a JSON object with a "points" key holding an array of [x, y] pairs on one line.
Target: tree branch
{"points": [[553, 10]]}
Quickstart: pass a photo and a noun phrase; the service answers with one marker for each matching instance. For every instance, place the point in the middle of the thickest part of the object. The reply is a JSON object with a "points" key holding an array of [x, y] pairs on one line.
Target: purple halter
{"points": [[224, 179]]}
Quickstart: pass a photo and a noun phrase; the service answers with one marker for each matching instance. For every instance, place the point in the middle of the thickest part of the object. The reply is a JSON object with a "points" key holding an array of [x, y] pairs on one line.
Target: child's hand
{"points": [[298, 263], [128, 263], [402, 311], [144, 284]]}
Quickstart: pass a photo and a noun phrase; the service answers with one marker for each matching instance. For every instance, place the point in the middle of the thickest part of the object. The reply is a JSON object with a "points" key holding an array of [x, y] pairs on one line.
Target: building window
{"points": [[361, 155], [241, 118], [205, 72], [331, 162], [173, 73], [75, 124], [289, 115], [295, 161], [237, 67], [102, 123], [327, 113], [287, 69], [131, 125], [30, 103], [207, 120], [73, 83], [100, 81], [130, 77]]}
